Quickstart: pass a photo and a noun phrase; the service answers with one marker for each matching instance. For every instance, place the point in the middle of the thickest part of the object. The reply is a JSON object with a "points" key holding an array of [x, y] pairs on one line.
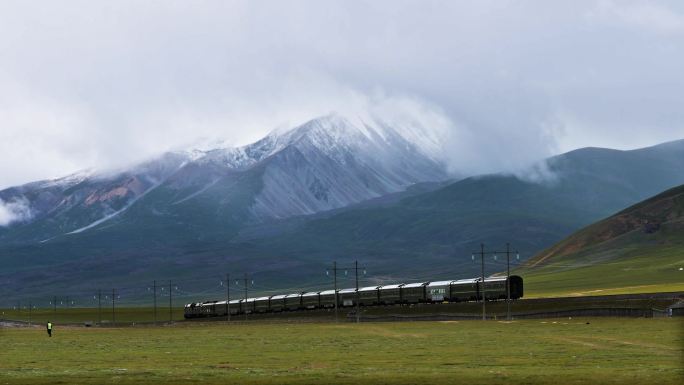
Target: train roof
{"points": [[493, 279], [469, 280], [369, 288], [352, 290]]}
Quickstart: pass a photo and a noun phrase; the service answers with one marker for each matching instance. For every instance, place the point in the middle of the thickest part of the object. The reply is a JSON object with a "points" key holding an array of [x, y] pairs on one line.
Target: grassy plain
{"points": [[638, 250], [576, 351], [640, 269]]}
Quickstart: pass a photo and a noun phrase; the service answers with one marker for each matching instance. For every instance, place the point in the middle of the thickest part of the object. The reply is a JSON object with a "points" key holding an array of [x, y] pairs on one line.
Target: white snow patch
{"points": [[198, 192], [70, 180]]}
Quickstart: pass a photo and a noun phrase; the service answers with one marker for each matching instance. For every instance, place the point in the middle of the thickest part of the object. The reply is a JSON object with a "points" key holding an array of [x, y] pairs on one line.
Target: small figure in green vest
{"points": [[49, 328]]}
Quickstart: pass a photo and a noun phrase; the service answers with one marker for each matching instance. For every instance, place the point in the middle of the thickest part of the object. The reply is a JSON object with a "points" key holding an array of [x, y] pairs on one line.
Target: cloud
{"points": [[17, 210], [649, 16], [104, 85]]}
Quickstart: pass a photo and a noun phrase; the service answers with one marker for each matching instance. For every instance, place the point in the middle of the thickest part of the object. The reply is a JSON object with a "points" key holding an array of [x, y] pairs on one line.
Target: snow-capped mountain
{"points": [[330, 163], [198, 214], [326, 163], [82, 200]]}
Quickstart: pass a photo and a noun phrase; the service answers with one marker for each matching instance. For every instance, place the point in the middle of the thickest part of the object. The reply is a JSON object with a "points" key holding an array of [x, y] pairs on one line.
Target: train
{"points": [[495, 288]]}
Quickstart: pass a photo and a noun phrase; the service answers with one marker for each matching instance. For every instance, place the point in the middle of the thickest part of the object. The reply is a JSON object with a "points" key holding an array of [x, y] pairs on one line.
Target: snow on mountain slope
{"points": [[330, 163], [82, 199], [330, 134], [324, 164]]}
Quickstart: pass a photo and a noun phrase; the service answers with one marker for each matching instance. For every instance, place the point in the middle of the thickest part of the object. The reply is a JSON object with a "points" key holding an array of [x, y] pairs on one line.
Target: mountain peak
{"points": [[326, 163], [71, 179]]}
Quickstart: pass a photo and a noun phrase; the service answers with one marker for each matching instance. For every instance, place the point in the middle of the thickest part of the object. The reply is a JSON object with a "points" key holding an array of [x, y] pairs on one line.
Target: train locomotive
{"points": [[495, 288]]}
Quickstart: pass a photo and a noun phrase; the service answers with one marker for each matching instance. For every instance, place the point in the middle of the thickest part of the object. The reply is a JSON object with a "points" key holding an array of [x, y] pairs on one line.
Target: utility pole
{"points": [[327, 272], [30, 308], [170, 304], [335, 274], [245, 296], [228, 297], [54, 308], [508, 278], [99, 307], [154, 294], [113, 307], [484, 297], [356, 272], [508, 281], [358, 301]]}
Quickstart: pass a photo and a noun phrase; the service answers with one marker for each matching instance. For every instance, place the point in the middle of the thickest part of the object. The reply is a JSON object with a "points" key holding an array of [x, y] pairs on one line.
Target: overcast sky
{"points": [[102, 84]]}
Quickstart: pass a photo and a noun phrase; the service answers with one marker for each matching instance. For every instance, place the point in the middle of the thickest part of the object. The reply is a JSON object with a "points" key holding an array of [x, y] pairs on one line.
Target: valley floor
{"points": [[578, 351]]}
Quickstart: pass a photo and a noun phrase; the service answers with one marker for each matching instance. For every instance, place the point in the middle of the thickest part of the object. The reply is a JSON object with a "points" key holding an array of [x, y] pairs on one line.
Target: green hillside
{"points": [[442, 227], [640, 249]]}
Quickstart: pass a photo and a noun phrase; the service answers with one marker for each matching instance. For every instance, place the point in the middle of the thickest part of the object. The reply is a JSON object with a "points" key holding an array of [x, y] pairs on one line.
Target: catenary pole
{"points": [[154, 299], [113, 311], [508, 281], [335, 289], [170, 303], [99, 307], [245, 296], [508, 276], [356, 272], [484, 296], [228, 297]]}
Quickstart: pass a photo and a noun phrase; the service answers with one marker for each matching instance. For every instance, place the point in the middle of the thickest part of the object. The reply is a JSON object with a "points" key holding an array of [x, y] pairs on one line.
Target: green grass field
{"points": [[576, 351], [638, 270]]}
